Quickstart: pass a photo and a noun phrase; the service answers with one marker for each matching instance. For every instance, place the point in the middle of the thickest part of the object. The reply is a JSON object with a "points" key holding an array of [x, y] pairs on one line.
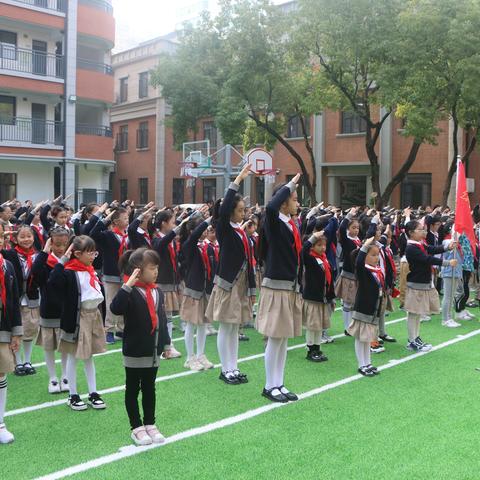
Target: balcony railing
{"points": [[100, 4], [95, 66], [92, 195], [98, 130], [57, 5], [31, 130], [31, 61]]}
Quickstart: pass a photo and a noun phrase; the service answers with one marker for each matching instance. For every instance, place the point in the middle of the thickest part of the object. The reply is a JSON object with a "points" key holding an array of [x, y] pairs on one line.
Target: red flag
{"points": [[463, 215]]}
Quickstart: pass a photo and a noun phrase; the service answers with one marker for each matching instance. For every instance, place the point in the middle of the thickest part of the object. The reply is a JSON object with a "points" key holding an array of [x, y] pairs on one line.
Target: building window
{"points": [[260, 190], [294, 128], [123, 89], [142, 135], [122, 139], [209, 190], [143, 85], [8, 109], [57, 179], [8, 45], [8, 186], [123, 189], [302, 192], [352, 123], [210, 133], [416, 190], [353, 191], [178, 193], [143, 190]]}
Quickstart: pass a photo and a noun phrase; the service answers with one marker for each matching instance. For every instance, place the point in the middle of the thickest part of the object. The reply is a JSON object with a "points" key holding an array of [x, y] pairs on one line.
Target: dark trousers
{"points": [[140, 379], [461, 302]]}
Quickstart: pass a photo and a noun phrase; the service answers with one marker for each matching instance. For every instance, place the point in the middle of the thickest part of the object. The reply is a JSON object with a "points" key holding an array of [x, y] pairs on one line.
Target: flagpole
{"points": [[455, 238]]}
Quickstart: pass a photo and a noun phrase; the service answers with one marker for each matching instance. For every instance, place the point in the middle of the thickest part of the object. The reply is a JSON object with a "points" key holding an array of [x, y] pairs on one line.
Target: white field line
{"points": [[131, 450], [165, 378]]}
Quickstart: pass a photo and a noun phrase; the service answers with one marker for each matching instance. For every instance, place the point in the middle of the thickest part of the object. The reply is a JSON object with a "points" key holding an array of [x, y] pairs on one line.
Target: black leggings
{"points": [[140, 379], [462, 301]]}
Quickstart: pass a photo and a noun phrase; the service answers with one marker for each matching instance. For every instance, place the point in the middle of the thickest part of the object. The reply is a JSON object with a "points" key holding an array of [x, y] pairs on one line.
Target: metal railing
{"points": [[57, 5], [31, 130], [100, 4], [89, 129], [31, 61], [92, 195], [94, 66]]}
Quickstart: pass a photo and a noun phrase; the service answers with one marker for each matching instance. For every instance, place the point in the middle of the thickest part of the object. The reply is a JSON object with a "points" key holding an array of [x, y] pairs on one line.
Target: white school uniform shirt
{"points": [[237, 225], [154, 294], [285, 219], [90, 297], [24, 301]]}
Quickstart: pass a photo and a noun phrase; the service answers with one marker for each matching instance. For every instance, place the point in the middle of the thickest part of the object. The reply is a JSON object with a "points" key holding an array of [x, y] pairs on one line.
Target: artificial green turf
{"points": [[56, 438]]}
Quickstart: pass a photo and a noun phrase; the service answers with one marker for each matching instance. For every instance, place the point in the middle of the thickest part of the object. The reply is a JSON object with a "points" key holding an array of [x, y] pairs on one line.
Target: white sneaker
{"points": [[326, 338], [5, 435], [170, 353], [193, 364], [54, 386], [470, 315], [203, 360], [141, 437], [154, 434], [451, 323], [462, 316], [425, 318], [64, 387]]}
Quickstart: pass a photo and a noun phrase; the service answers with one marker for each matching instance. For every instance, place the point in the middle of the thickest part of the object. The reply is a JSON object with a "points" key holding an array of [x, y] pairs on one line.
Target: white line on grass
{"points": [[131, 450], [165, 378]]}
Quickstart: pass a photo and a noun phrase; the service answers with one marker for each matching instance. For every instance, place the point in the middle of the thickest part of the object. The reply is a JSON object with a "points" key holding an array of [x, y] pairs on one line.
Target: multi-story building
{"points": [[56, 88]]}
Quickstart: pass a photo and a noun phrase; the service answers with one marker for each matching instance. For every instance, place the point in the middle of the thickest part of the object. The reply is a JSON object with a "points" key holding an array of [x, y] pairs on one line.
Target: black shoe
{"points": [[366, 372], [373, 369], [76, 403], [229, 379], [472, 304], [119, 335], [388, 338], [315, 355], [279, 397], [20, 370], [29, 370], [290, 395], [380, 340], [96, 402], [241, 376], [346, 333], [243, 338]]}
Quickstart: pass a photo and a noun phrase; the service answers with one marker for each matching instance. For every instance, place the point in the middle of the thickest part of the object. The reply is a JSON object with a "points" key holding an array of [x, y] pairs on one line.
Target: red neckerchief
{"points": [[77, 266], [334, 248], [173, 256], [51, 260], [326, 265], [3, 292], [296, 238], [123, 241], [246, 246], [39, 234], [377, 273], [389, 256], [27, 254], [147, 238], [252, 247], [149, 287], [203, 247], [216, 251]]}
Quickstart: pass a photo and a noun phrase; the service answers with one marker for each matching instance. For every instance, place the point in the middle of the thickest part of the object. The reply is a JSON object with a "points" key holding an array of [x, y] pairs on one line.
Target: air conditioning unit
{"points": [[470, 185]]}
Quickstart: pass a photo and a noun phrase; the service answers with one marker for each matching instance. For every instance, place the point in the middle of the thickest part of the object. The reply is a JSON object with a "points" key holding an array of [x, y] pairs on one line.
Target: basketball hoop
{"points": [[268, 175]]}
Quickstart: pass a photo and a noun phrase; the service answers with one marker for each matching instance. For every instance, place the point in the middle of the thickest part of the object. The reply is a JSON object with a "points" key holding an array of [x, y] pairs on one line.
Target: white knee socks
{"points": [[313, 338], [275, 359], [201, 339], [413, 326], [89, 367], [189, 329], [170, 325], [347, 315], [27, 350], [3, 396], [227, 345], [64, 365], [72, 374], [362, 351], [50, 362]]}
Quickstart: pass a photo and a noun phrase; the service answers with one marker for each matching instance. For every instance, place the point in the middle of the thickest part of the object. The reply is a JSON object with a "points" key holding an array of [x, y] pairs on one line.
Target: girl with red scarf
{"points": [[81, 324], [141, 302], [195, 297], [212, 248], [22, 257], [318, 294]]}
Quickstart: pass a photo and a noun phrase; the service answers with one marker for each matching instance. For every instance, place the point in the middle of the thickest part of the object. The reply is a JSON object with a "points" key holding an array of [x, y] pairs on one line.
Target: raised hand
{"points": [[296, 178], [48, 245], [245, 172], [133, 278]]}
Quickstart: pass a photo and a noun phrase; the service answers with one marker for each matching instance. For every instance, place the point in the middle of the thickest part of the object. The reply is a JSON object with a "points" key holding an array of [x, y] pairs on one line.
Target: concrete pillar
{"points": [[319, 151], [385, 159], [160, 154]]}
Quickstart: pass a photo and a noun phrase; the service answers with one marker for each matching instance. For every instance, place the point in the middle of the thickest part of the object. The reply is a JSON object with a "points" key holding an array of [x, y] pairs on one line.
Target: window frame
{"points": [[143, 190], [13, 103], [176, 191], [4, 195], [123, 94], [143, 84], [142, 136], [294, 127], [352, 124]]}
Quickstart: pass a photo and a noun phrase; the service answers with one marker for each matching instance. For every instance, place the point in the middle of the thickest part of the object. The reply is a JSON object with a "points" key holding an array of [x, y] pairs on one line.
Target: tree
{"points": [[364, 62], [241, 72]]}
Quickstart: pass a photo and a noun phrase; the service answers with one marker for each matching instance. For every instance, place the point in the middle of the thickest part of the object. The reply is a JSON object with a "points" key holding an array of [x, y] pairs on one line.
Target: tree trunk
{"points": [[309, 148], [453, 166], [295, 155], [373, 159]]}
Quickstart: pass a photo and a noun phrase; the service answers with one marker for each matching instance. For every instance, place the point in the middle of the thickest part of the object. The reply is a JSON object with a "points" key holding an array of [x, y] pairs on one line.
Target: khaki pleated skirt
{"points": [[193, 310], [7, 358], [316, 315], [171, 302], [365, 332], [30, 322], [91, 336], [279, 313], [346, 289], [422, 302], [48, 338], [233, 306]]}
